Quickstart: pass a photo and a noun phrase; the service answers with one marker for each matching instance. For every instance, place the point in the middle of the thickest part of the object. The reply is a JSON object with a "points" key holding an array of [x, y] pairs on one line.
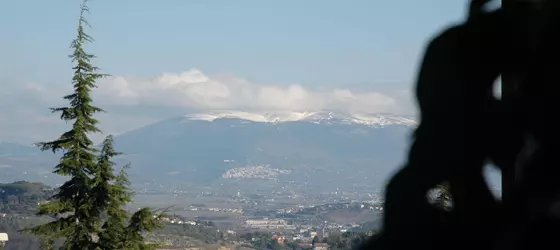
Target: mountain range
{"points": [[323, 149], [321, 117], [202, 147]]}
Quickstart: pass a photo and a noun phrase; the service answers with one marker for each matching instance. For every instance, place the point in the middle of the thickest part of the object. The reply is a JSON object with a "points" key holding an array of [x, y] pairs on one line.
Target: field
{"points": [[180, 202], [344, 216], [199, 203], [179, 205]]}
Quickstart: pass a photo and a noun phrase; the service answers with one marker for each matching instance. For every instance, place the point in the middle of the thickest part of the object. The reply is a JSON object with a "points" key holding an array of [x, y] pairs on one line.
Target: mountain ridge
{"points": [[317, 149], [319, 117], [203, 147]]}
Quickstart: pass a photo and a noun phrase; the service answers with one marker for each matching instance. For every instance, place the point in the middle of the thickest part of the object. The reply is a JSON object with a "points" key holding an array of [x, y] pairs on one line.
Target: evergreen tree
{"points": [[93, 191], [111, 191], [141, 221], [114, 192], [77, 217]]}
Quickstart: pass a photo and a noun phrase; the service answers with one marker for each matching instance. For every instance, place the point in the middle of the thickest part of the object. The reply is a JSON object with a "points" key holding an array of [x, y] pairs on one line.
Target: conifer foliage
{"points": [[89, 209]]}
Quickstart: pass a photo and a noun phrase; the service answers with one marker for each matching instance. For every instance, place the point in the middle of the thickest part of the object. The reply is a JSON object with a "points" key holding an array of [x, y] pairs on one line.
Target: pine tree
{"points": [[112, 193], [77, 217], [93, 191], [116, 233]]}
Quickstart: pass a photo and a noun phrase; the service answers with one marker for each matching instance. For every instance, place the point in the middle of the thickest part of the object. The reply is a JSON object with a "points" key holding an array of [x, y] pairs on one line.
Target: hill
{"points": [[22, 196]]}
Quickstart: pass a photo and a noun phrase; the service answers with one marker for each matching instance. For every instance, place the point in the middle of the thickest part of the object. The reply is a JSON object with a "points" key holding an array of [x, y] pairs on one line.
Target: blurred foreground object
{"points": [[454, 86]]}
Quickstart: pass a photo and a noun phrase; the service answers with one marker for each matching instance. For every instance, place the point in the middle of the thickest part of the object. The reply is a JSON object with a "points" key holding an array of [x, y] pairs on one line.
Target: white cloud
{"points": [[193, 89], [133, 102]]}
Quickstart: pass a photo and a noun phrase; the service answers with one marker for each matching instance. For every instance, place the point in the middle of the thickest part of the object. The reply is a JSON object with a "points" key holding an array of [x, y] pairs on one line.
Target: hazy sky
{"points": [[170, 57]]}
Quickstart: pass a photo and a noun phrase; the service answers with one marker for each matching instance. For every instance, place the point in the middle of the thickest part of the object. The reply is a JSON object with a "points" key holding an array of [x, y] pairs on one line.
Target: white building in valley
{"points": [[3, 238]]}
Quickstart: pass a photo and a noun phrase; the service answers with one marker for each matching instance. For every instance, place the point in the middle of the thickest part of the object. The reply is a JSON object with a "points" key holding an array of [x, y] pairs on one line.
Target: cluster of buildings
{"points": [[215, 209], [254, 172], [269, 224], [176, 220], [301, 240], [375, 206], [3, 239], [298, 232]]}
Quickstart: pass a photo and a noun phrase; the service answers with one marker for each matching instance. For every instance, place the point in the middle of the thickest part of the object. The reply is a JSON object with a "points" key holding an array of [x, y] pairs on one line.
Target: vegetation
{"points": [[22, 196], [186, 235], [89, 209], [348, 240]]}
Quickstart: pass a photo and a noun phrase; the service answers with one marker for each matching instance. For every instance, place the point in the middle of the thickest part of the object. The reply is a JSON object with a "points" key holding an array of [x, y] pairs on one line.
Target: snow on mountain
{"points": [[319, 117]]}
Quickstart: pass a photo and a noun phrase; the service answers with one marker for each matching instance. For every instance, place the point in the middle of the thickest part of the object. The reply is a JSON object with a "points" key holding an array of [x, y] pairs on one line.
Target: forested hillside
{"points": [[22, 197]]}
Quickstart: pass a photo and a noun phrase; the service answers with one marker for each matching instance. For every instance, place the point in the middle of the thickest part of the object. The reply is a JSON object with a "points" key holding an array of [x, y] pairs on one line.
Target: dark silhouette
{"points": [[455, 82]]}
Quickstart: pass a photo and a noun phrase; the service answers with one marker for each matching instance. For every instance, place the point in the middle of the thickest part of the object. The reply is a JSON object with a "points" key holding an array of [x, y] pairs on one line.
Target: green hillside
{"points": [[22, 196]]}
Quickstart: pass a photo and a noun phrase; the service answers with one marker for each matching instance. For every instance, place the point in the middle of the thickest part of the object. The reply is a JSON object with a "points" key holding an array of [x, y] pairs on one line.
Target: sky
{"points": [[172, 57]]}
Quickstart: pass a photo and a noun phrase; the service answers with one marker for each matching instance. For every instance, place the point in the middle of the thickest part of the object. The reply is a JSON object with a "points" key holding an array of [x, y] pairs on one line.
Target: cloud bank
{"points": [[194, 90], [133, 102]]}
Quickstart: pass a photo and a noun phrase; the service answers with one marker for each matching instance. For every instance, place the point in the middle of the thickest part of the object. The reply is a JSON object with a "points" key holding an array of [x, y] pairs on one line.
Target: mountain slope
{"points": [[202, 147], [20, 162], [12, 149]]}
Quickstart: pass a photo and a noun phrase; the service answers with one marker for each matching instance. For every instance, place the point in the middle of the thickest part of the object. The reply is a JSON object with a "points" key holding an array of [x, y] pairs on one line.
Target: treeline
{"points": [[172, 234]]}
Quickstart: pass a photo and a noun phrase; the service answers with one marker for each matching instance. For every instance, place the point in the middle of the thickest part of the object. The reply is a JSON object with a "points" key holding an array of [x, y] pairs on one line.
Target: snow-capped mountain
{"points": [[202, 147], [318, 117], [318, 148], [324, 149]]}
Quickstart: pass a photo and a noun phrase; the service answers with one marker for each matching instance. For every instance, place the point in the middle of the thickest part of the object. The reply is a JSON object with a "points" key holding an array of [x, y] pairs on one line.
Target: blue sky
{"points": [[304, 51], [308, 42]]}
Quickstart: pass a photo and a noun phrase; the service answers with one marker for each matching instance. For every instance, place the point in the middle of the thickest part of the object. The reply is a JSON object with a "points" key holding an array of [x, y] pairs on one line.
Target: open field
{"points": [[182, 201], [344, 216], [180, 206]]}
